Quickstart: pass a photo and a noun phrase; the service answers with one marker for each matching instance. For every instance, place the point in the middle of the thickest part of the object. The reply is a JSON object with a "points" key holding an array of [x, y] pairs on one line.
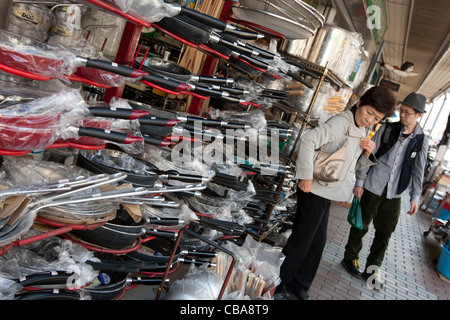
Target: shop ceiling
{"points": [[418, 32]]}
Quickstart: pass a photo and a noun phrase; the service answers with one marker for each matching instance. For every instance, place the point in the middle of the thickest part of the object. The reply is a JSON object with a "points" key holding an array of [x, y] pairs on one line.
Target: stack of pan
{"points": [[288, 19]]}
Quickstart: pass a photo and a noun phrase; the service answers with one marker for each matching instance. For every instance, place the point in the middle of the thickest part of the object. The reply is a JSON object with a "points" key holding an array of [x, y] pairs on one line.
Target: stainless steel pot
{"points": [[327, 44]]}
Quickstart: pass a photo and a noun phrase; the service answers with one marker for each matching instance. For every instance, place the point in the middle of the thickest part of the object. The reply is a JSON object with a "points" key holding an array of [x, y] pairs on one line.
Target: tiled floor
{"points": [[409, 269]]}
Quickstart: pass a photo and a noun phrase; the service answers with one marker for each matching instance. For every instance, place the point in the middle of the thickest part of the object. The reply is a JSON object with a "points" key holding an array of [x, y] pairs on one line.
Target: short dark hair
{"points": [[383, 99]]}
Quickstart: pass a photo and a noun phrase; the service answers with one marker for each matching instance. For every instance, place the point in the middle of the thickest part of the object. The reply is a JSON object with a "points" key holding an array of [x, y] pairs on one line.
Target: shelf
{"points": [[331, 76]]}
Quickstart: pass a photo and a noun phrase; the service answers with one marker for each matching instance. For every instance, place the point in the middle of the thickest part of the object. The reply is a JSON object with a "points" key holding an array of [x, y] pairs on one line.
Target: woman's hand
{"points": [[305, 185], [368, 145]]}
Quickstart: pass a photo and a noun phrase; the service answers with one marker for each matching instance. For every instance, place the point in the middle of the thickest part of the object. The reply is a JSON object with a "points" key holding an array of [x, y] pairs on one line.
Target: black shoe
{"points": [[373, 280], [352, 267], [284, 295], [302, 295]]}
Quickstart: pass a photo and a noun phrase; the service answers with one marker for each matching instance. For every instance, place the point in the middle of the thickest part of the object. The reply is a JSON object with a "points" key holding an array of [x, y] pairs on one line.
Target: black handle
{"points": [[161, 233], [211, 254], [299, 79], [161, 122], [165, 221], [120, 113], [219, 24], [203, 18], [302, 68], [115, 68], [242, 34], [257, 63], [154, 141], [262, 53], [215, 80], [45, 278], [49, 294], [164, 82], [114, 136], [145, 281], [186, 177], [232, 90], [183, 30]]}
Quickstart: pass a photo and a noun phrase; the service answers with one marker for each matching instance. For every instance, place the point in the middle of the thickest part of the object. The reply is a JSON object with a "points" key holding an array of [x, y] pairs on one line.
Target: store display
{"points": [[141, 185]]}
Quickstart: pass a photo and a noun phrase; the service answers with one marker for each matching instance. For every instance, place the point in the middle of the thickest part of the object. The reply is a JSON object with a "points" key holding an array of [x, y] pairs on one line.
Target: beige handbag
{"points": [[329, 167]]}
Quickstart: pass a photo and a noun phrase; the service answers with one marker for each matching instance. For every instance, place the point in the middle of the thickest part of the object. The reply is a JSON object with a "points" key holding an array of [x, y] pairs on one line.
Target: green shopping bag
{"points": [[354, 216]]}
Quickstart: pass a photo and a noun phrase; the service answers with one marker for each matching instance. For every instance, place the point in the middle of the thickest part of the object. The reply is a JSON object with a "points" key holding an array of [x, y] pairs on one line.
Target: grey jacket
{"points": [[330, 136]]}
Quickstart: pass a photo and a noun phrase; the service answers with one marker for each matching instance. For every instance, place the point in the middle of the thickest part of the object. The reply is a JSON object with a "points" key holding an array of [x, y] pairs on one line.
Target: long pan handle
{"points": [[219, 24], [119, 113], [113, 67], [114, 136]]}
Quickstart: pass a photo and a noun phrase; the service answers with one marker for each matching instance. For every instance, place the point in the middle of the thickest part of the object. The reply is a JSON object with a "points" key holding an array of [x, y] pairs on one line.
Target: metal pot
{"points": [[327, 44]]}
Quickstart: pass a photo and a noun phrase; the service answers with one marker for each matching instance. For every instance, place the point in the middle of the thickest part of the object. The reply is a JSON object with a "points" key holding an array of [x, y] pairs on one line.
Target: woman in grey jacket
{"points": [[304, 248]]}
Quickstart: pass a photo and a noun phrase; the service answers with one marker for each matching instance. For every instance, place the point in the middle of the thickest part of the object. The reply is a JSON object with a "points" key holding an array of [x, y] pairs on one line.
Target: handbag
{"points": [[354, 216], [328, 167]]}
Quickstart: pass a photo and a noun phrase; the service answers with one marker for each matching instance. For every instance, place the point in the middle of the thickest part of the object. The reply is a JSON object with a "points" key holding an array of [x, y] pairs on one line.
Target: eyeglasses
{"points": [[405, 113]]}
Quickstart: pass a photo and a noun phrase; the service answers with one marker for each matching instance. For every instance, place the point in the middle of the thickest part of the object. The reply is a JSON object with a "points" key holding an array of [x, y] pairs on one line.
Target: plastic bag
{"points": [[354, 216]]}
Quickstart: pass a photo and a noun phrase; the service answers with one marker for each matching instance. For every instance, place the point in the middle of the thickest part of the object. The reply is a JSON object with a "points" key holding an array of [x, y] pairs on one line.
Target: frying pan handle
{"points": [[215, 80], [262, 53], [166, 83], [161, 233], [120, 113], [108, 135], [299, 79], [45, 278], [49, 294], [164, 221], [146, 281], [218, 24], [159, 142], [162, 122], [302, 67], [114, 68]]}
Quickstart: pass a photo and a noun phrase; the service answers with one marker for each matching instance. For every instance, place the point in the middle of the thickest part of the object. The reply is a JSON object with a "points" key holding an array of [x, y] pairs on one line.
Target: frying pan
{"points": [[123, 232], [139, 172], [26, 138], [46, 61], [197, 33]]}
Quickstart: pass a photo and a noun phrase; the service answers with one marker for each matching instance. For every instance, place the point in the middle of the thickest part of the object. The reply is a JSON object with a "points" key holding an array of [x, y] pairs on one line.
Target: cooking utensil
{"points": [[176, 72], [139, 172], [290, 29]]}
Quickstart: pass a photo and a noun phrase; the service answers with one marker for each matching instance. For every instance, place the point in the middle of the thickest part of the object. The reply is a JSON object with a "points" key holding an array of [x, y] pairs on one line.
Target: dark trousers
{"points": [[303, 249], [384, 213]]}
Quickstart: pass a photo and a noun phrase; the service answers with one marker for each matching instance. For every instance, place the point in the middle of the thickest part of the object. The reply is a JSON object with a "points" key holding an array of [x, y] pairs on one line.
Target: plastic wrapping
{"points": [[36, 125], [29, 19], [33, 56], [200, 283], [49, 255], [257, 268], [162, 159], [66, 25], [255, 118], [26, 171], [147, 10]]}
